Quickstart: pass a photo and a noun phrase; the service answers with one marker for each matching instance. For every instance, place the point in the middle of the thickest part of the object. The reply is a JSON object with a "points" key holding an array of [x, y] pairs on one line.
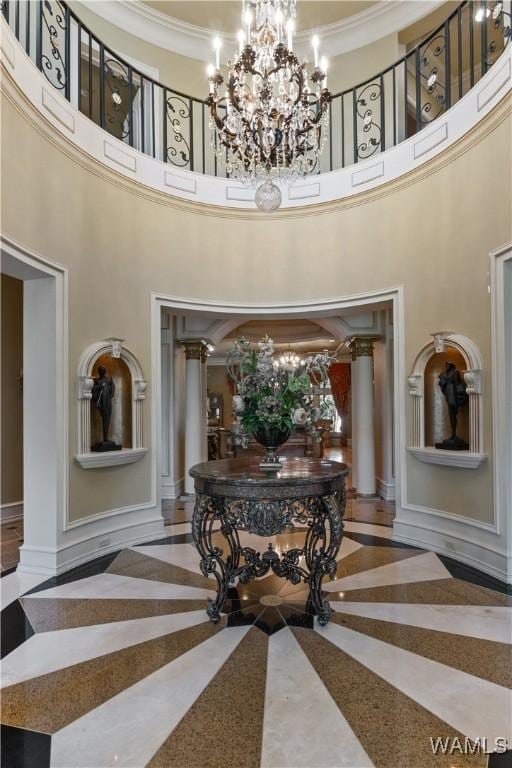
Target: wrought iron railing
{"points": [[174, 127]]}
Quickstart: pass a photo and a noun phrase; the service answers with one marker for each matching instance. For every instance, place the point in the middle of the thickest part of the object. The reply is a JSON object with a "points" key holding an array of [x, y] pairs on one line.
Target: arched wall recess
{"points": [[85, 457], [473, 378]]}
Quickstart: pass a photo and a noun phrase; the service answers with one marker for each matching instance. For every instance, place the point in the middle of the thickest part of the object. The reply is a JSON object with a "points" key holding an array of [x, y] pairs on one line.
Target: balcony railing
{"points": [[174, 127]]}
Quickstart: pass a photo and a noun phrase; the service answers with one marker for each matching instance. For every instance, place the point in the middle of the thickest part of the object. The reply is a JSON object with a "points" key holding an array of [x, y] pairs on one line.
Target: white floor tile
{"points": [[107, 586], [16, 584], [425, 567], [48, 651], [483, 621], [303, 730], [183, 555]]}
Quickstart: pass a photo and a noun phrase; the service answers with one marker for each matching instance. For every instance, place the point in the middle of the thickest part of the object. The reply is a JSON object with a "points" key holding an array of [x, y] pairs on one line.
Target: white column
{"points": [[195, 427], [353, 416], [364, 437]]}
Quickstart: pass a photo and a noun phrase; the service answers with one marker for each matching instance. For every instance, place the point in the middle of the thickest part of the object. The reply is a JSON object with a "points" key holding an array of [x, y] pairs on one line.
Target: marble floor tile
{"points": [[449, 591], [111, 585], [49, 651], [124, 668], [15, 584], [473, 706], [140, 564], [485, 622], [487, 659], [50, 702], [394, 730], [183, 555], [232, 704], [176, 528], [424, 567], [303, 727], [141, 717], [381, 531], [369, 558], [62, 613]]}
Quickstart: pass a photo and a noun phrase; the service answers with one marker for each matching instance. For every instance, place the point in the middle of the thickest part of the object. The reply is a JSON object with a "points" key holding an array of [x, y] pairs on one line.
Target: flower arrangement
{"points": [[271, 396]]}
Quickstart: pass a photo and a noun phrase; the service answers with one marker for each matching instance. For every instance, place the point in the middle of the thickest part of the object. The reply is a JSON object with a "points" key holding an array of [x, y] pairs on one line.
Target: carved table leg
{"points": [[206, 511], [320, 551]]}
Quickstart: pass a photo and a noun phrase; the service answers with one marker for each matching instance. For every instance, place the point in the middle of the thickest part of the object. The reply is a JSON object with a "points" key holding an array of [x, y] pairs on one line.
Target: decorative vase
{"points": [[271, 437]]}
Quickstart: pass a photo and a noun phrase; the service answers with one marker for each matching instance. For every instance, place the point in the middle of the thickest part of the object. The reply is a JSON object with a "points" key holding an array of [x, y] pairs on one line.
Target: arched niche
{"points": [[127, 409], [430, 415]]}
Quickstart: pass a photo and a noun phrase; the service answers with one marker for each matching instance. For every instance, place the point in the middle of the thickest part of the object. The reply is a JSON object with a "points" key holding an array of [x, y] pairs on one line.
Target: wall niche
{"points": [[121, 421], [431, 420], [126, 425], [437, 421]]}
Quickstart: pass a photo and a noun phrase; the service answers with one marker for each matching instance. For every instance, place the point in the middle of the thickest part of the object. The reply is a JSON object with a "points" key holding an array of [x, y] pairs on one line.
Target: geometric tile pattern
{"points": [[117, 664]]}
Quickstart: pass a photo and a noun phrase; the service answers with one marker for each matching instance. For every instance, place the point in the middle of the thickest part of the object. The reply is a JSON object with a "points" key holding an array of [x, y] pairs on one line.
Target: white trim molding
{"points": [[173, 490], [501, 307], [473, 378], [360, 29], [110, 458], [385, 490], [84, 456], [461, 459], [11, 511]]}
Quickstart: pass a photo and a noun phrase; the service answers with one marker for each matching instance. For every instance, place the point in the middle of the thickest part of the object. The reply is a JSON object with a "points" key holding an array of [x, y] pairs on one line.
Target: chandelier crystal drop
{"points": [[270, 121]]}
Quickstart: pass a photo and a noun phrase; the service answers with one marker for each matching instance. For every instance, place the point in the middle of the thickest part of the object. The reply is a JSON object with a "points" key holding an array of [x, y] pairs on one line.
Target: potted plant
{"points": [[271, 397]]}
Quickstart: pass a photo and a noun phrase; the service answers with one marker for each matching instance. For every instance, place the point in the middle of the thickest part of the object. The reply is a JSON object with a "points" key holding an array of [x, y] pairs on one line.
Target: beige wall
{"points": [[12, 395], [189, 75], [121, 242]]}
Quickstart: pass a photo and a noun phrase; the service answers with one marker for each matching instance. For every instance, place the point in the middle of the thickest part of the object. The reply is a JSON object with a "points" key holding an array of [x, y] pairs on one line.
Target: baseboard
{"points": [[386, 490], [11, 511], [91, 541], [490, 558], [170, 491]]}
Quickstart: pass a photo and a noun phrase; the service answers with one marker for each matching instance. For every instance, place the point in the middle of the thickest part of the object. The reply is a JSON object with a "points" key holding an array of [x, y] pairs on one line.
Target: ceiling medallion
{"points": [[270, 122]]}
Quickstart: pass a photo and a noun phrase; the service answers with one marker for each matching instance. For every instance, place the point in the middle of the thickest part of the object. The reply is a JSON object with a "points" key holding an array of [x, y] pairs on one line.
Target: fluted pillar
{"points": [[195, 406], [363, 431]]}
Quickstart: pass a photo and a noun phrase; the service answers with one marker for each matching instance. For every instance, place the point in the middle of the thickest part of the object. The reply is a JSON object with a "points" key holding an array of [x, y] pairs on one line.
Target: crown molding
{"points": [[157, 28]]}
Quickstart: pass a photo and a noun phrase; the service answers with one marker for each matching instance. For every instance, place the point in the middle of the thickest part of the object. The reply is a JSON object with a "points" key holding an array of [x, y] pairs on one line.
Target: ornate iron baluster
{"points": [[176, 111], [367, 103]]}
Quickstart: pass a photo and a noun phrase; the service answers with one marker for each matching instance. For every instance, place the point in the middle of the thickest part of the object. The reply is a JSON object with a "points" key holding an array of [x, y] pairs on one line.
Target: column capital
{"points": [[362, 346], [195, 349]]}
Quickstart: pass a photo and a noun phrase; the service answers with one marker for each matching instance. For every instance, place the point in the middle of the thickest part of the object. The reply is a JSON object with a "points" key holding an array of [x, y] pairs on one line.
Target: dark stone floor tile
{"points": [[93, 568], [467, 573], [24, 749], [15, 629]]}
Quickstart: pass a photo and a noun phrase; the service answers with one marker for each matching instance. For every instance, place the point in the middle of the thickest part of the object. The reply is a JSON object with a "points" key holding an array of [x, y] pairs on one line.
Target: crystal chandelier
{"points": [[270, 122], [288, 361]]}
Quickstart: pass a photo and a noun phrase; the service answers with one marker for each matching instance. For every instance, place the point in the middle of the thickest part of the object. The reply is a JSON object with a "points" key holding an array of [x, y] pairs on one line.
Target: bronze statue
{"points": [[103, 391], [454, 389]]}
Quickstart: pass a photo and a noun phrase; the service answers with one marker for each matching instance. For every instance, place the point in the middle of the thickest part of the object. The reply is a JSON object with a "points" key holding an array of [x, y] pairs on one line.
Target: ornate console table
{"points": [[242, 497]]}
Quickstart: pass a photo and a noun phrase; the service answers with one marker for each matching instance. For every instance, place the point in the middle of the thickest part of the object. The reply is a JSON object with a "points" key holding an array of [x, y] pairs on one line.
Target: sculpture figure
{"points": [[454, 390], [103, 391]]}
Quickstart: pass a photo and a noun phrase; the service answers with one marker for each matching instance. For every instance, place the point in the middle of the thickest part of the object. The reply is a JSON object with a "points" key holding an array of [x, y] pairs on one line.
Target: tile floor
{"points": [[116, 664]]}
